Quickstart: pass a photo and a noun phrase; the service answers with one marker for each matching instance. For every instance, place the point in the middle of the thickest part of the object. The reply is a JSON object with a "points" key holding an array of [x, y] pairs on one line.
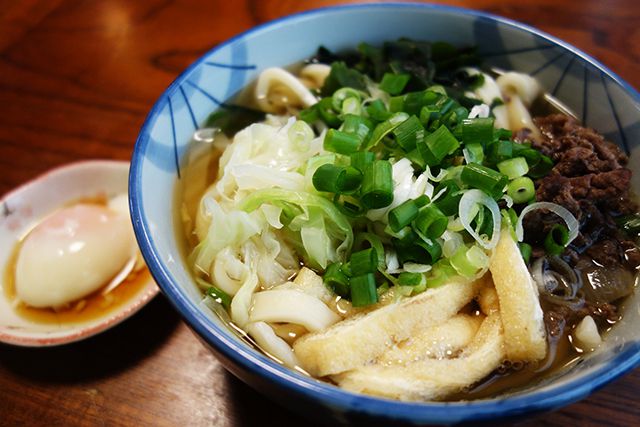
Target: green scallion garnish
{"points": [[377, 185], [521, 190], [556, 240], [364, 261], [363, 290]]}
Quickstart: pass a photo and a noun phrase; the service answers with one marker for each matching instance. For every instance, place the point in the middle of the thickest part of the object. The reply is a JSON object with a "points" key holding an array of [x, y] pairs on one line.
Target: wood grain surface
{"points": [[76, 81]]}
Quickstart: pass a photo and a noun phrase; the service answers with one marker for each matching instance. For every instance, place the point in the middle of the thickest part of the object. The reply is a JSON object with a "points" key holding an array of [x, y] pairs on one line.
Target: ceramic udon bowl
{"points": [[598, 97]]}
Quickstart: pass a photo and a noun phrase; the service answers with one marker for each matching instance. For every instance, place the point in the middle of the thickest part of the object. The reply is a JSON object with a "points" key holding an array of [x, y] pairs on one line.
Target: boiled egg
{"points": [[71, 254]]}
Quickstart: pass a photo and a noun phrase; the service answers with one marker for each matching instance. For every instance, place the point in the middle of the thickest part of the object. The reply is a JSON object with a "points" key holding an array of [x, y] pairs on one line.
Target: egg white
{"points": [[71, 254]]}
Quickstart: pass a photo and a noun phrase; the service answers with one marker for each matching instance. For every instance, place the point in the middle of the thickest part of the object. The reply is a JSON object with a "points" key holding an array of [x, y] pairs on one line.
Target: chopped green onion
{"points": [[402, 215], [365, 261], [396, 104], [521, 190], [408, 133], [483, 178], [400, 234], [374, 242], [421, 201], [473, 153], [541, 168], [416, 158], [514, 168], [411, 279], [532, 155], [440, 274], [310, 115], [455, 117], [411, 248], [216, 294], [341, 142], [351, 106], [556, 240], [356, 125], [510, 218], [453, 173], [361, 159], [363, 290], [343, 94], [383, 129], [469, 261], [438, 89], [501, 133], [414, 101], [437, 145], [477, 131], [341, 76], [336, 179], [348, 205], [377, 185], [393, 84], [325, 110], [525, 251], [448, 202], [501, 150], [446, 104], [336, 279], [432, 248], [429, 113], [431, 222], [377, 111]]}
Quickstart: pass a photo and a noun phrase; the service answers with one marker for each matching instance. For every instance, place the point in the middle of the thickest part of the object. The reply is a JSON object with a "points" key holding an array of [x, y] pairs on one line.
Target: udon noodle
{"points": [[348, 244]]}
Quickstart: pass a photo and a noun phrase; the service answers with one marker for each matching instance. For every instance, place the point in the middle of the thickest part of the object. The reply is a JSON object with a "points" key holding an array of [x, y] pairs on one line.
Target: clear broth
{"points": [[508, 378]]}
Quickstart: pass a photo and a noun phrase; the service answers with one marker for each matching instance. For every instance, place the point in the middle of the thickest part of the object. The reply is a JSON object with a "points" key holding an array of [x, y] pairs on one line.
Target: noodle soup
{"points": [[395, 228]]}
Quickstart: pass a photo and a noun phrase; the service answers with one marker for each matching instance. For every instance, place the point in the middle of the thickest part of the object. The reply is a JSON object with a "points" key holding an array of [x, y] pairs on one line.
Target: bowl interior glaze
{"points": [[598, 97]]}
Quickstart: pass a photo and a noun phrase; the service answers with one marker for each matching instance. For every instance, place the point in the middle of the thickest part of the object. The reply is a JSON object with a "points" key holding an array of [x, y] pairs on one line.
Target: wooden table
{"points": [[76, 81]]}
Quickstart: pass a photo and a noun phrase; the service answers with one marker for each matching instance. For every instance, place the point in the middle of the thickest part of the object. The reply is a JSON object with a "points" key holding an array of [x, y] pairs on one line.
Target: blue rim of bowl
{"points": [[315, 390]]}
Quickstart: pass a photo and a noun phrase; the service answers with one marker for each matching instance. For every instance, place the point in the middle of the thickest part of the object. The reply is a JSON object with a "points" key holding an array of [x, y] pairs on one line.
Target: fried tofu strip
{"points": [[488, 297], [432, 379], [524, 331], [436, 342], [363, 338]]}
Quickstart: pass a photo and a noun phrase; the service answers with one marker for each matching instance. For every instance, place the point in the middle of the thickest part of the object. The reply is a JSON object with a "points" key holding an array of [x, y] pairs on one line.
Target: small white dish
{"points": [[23, 208]]}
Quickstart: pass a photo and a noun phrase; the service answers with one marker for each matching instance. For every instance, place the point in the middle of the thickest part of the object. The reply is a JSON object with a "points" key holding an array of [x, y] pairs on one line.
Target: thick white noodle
{"points": [[519, 116], [488, 93], [292, 306], [241, 302], [315, 73], [271, 77], [229, 271], [519, 90], [523, 85], [271, 343]]}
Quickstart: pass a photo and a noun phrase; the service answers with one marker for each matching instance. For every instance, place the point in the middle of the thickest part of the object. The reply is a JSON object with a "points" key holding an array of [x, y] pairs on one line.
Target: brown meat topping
{"points": [[566, 142], [587, 168], [590, 179]]}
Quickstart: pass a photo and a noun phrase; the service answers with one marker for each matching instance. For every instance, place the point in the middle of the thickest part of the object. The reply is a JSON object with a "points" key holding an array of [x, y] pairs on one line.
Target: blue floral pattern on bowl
{"points": [[598, 97]]}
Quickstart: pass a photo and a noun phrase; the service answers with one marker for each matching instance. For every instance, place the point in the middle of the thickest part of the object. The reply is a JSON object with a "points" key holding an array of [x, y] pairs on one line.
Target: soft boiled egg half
{"points": [[71, 267], [73, 253]]}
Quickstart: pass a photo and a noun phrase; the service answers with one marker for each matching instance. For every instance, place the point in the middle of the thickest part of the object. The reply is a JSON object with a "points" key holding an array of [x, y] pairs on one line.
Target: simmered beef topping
{"points": [[591, 180]]}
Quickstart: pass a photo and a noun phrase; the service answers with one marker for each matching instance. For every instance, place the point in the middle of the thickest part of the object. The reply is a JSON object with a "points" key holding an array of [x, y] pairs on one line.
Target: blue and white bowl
{"points": [[599, 98]]}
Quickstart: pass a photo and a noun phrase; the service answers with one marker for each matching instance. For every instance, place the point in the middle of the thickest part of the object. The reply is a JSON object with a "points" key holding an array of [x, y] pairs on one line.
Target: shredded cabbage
{"points": [[324, 232]]}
